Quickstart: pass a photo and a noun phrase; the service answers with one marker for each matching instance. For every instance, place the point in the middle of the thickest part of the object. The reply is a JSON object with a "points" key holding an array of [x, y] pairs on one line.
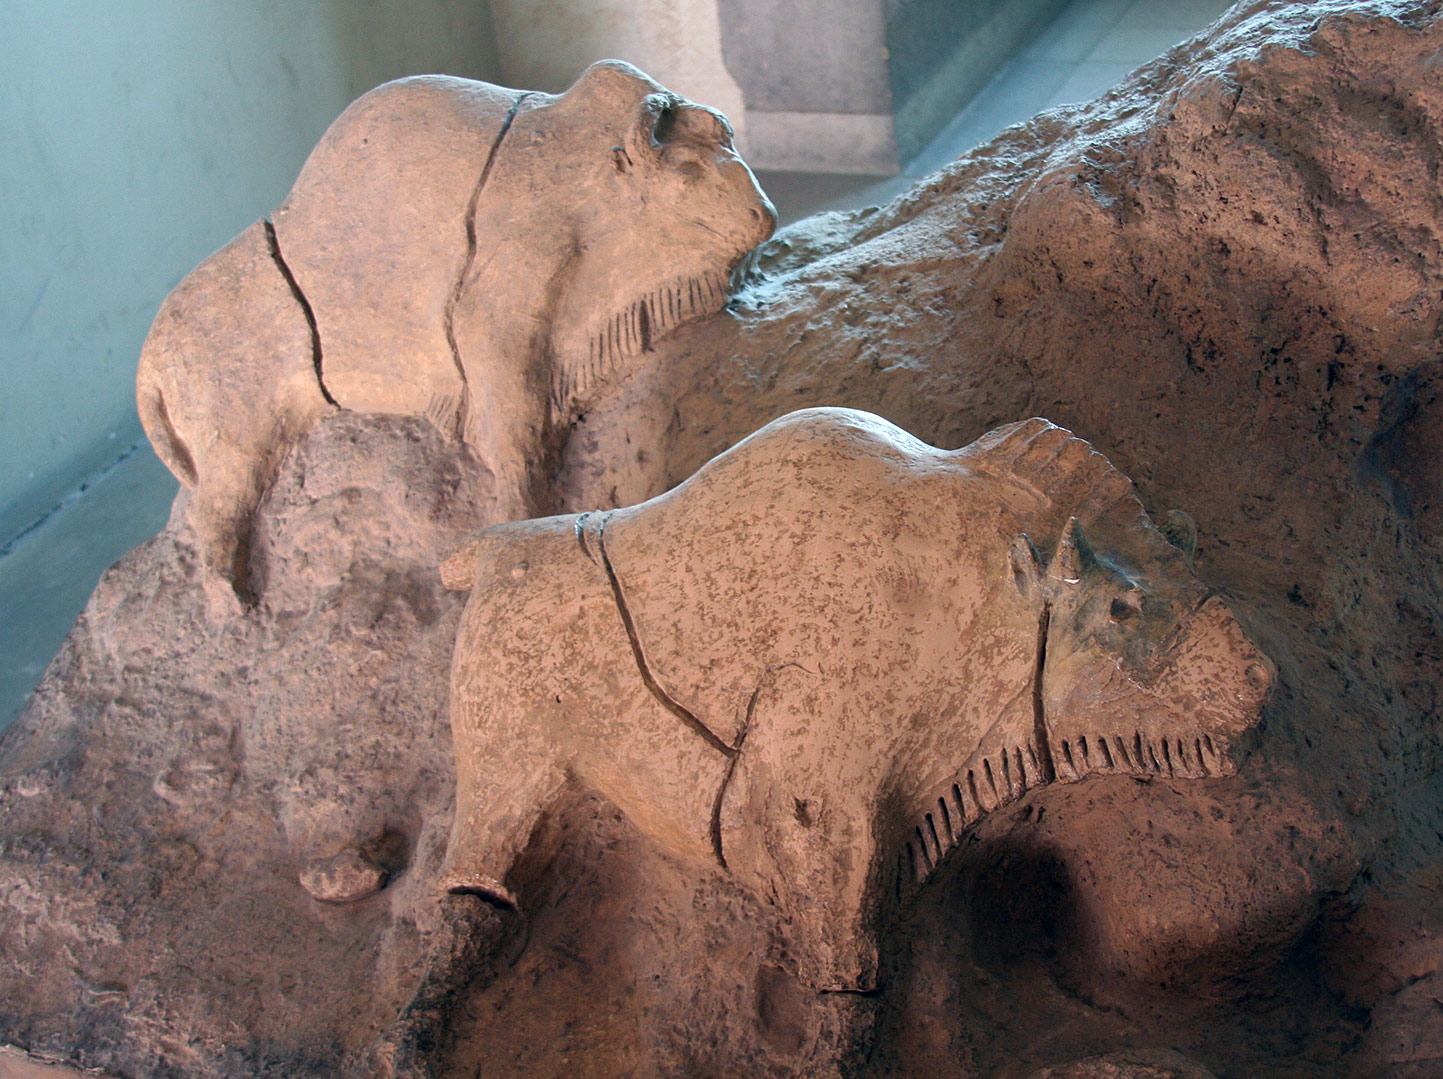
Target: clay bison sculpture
{"points": [[487, 258], [826, 655]]}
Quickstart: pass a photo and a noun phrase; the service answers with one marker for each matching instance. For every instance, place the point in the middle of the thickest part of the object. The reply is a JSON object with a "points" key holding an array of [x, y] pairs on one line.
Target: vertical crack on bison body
{"points": [[1039, 706], [667, 701], [274, 245]]}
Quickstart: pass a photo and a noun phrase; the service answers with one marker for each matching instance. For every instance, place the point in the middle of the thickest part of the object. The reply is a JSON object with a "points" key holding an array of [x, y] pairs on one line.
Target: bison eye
{"points": [[1125, 606], [804, 811]]}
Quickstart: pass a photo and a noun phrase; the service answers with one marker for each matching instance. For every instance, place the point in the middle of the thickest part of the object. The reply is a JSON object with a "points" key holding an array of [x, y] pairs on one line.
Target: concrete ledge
{"points": [[822, 142]]}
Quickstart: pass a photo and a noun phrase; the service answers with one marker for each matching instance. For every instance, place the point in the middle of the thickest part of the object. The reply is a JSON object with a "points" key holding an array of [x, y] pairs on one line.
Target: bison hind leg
{"points": [[455, 881], [224, 512], [464, 956]]}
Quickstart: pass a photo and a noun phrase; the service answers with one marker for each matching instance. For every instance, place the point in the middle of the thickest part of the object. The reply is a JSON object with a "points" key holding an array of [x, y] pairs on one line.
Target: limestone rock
{"points": [[17, 1065], [174, 776], [1144, 1065]]}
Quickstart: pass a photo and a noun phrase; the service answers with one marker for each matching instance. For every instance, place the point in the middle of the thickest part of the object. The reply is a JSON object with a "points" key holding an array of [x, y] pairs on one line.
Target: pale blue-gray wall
{"points": [[136, 136]]}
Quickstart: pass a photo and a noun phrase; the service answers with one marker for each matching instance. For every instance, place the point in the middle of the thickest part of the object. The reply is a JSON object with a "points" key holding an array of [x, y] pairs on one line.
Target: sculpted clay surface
{"points": [[487, 258], [847, 649], [1224, 276]]}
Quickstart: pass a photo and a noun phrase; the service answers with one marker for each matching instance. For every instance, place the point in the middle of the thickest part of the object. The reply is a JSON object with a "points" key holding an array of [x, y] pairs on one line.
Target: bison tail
{"points": [[169, 446], [458, 571]]}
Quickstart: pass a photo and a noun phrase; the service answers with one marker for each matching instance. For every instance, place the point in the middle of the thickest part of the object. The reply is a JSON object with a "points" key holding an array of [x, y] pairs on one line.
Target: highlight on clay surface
{"points": [[842, 711]]}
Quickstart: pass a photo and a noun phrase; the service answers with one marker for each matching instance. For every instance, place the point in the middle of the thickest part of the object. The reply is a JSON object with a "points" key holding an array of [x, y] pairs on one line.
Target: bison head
{"points": [[611, 214], [1144, 671]]}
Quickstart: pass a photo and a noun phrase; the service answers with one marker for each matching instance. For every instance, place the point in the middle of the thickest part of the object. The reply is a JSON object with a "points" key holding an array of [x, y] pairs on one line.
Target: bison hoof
{"points": [[343, 878]]}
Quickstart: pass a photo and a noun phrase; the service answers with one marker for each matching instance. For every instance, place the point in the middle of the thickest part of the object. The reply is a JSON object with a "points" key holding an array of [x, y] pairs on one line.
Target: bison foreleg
{"points": [[464, 956]]}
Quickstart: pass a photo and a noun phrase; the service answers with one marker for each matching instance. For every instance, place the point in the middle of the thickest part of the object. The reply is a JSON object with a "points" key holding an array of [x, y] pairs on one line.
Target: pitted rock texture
{"points": [[1162, 1065], [175, 784], [1224, 275]]}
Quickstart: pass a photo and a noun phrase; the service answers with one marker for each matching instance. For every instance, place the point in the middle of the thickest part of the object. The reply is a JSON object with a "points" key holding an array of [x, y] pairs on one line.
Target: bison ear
{"points": [[1026, 565], [1074, 554], [1181, 532]]}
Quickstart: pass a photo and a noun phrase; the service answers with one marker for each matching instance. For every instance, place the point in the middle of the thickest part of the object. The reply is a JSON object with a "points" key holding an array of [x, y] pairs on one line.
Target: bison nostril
{"points": [[665, 124], [1258, 676], [1125, 606]]}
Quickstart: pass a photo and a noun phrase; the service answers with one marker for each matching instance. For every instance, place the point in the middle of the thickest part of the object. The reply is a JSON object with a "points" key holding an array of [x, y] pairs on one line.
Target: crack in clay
{"points": [[716, 809], [463, 406], [580, 530], [274, 244], [670, 704], [716, 836], [1039, 706]]}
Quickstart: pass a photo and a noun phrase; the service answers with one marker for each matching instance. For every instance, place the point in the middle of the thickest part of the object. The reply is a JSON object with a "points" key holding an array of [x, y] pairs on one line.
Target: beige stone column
{"points": [[546, 44]]}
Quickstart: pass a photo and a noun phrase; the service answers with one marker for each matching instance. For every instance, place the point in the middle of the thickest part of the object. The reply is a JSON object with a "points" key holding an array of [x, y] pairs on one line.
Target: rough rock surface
{"points": [[1226, 275], [177, 787], [1163, 1065]]}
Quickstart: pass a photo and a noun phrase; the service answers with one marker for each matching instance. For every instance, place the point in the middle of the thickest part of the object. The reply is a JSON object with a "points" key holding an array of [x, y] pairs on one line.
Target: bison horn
{"points": [[1074, 554], [1026, 564], [1181, 532]]}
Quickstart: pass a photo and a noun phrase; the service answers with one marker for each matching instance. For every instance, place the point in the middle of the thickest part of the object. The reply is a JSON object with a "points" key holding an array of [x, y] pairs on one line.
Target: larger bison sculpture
{"points": [[823, 658]]}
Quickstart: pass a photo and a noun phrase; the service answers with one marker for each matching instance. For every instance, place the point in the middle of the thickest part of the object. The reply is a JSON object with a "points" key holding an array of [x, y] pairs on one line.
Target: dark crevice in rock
{"points": [[316, 356], [464, 406]]}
